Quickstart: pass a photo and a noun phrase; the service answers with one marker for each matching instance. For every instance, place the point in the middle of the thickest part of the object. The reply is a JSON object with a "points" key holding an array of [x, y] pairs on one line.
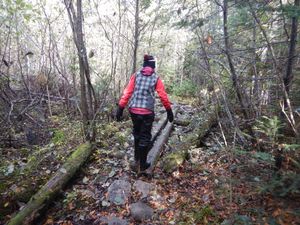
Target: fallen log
{"points": [[155, 151], [38, 201], [176, 158], [183, 123], [158, 127]]}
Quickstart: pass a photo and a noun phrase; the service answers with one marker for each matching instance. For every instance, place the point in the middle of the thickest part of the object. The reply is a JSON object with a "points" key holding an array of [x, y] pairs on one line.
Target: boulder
{"points": [[119, 192], [140, 211], [143, 188], [113, 220]]}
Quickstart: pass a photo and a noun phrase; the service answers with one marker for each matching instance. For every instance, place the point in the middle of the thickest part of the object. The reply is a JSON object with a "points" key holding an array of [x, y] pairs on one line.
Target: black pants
{"points": [[142, 125]]}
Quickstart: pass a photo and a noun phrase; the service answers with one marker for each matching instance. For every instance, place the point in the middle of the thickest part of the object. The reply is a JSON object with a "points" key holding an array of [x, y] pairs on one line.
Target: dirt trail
{"points": [[107, 191]]}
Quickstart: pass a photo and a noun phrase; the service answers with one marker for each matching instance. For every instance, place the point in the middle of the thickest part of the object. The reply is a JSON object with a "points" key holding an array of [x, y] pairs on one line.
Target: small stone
{"points": [[63, 170], [119, 192], [85, 180], [112, 173], [140, 211], [233, 168], [256, 179], [113, 220], [205, 198], [10, 169], [119, 155], [105, 203], [143, 187]]}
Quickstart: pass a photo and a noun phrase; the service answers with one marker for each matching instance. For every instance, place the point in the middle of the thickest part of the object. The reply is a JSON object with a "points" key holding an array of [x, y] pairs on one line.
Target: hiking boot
{"points": [[134, 166], [144, 165]]}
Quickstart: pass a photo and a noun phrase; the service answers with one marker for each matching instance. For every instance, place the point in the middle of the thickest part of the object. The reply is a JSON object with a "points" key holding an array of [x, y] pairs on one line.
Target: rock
{"points": [[140, 211], [119, 154], [31, 136], [173, 160], [119, 192], [113, 220], [143, 187]]}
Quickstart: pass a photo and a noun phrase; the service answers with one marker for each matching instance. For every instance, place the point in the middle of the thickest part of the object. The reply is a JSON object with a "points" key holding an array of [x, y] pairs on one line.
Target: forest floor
{"points": [[216, 185]]}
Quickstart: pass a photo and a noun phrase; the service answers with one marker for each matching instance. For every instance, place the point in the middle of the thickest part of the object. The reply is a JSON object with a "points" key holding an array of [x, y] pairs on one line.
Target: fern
{"points": [[269, 127]]}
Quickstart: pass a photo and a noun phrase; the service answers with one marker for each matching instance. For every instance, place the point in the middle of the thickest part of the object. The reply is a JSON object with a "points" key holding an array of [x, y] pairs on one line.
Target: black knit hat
{"points": [[149, 61]]}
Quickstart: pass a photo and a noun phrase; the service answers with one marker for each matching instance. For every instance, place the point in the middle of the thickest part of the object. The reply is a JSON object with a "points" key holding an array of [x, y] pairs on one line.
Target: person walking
{"points": [[140, 93]]}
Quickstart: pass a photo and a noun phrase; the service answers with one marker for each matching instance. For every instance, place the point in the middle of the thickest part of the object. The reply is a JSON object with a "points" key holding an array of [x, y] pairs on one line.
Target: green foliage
{"points": [[145, 4], [287, 184], [121, 137], [290, 11], [269, 127], [186, 89], [240, 17], [264, 156], [192, 24], [9, 8], [58, 137], [70, 197], [238, 220], [197, 215], [291, 147], [203, 213]]}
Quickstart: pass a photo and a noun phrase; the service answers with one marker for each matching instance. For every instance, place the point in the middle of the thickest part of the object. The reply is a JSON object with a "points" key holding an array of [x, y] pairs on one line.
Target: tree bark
{"points": [[177, 157], [287, 80], [87, 94], [158, 127], [244, 107], [136, 35], [43, 197], [158, 145], [234, 78]]}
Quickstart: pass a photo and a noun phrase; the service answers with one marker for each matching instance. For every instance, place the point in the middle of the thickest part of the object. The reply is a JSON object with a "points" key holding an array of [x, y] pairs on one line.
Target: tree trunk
{"points": [[158, 145], [292, 48], [136, 35], [234, 78], [244, 107], [43, 197], [87, 96]]}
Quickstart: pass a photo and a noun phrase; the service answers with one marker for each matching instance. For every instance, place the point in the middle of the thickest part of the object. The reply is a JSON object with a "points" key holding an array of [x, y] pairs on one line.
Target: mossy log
{"points": [[176, 158], [155, 151], [38, 201]]}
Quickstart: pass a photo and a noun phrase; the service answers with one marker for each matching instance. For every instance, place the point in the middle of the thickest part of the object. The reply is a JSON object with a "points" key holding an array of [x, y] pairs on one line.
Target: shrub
{"points": [[186, 89]]}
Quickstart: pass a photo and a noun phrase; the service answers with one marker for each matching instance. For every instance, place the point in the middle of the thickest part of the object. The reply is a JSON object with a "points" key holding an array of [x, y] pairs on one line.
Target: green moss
{"points": [[198, 215], [120, 138], [201, 215], [40, 199], [3, 187], [173, 160], [58, 137], [24, 151]]}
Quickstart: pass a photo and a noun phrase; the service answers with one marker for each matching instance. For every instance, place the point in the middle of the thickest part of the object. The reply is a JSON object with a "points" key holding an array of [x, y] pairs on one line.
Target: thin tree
{"points": [[287, 79], [136, 34], [244, 107], [87, 93]]}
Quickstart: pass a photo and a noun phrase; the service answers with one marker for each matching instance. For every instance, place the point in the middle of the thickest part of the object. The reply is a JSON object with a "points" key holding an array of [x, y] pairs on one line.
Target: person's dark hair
{"points": [[149, 61]]}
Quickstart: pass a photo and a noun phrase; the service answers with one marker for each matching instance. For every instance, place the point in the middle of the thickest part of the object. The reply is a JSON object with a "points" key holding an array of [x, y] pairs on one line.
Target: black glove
{"points": [[170, 115], [119, 113]]}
